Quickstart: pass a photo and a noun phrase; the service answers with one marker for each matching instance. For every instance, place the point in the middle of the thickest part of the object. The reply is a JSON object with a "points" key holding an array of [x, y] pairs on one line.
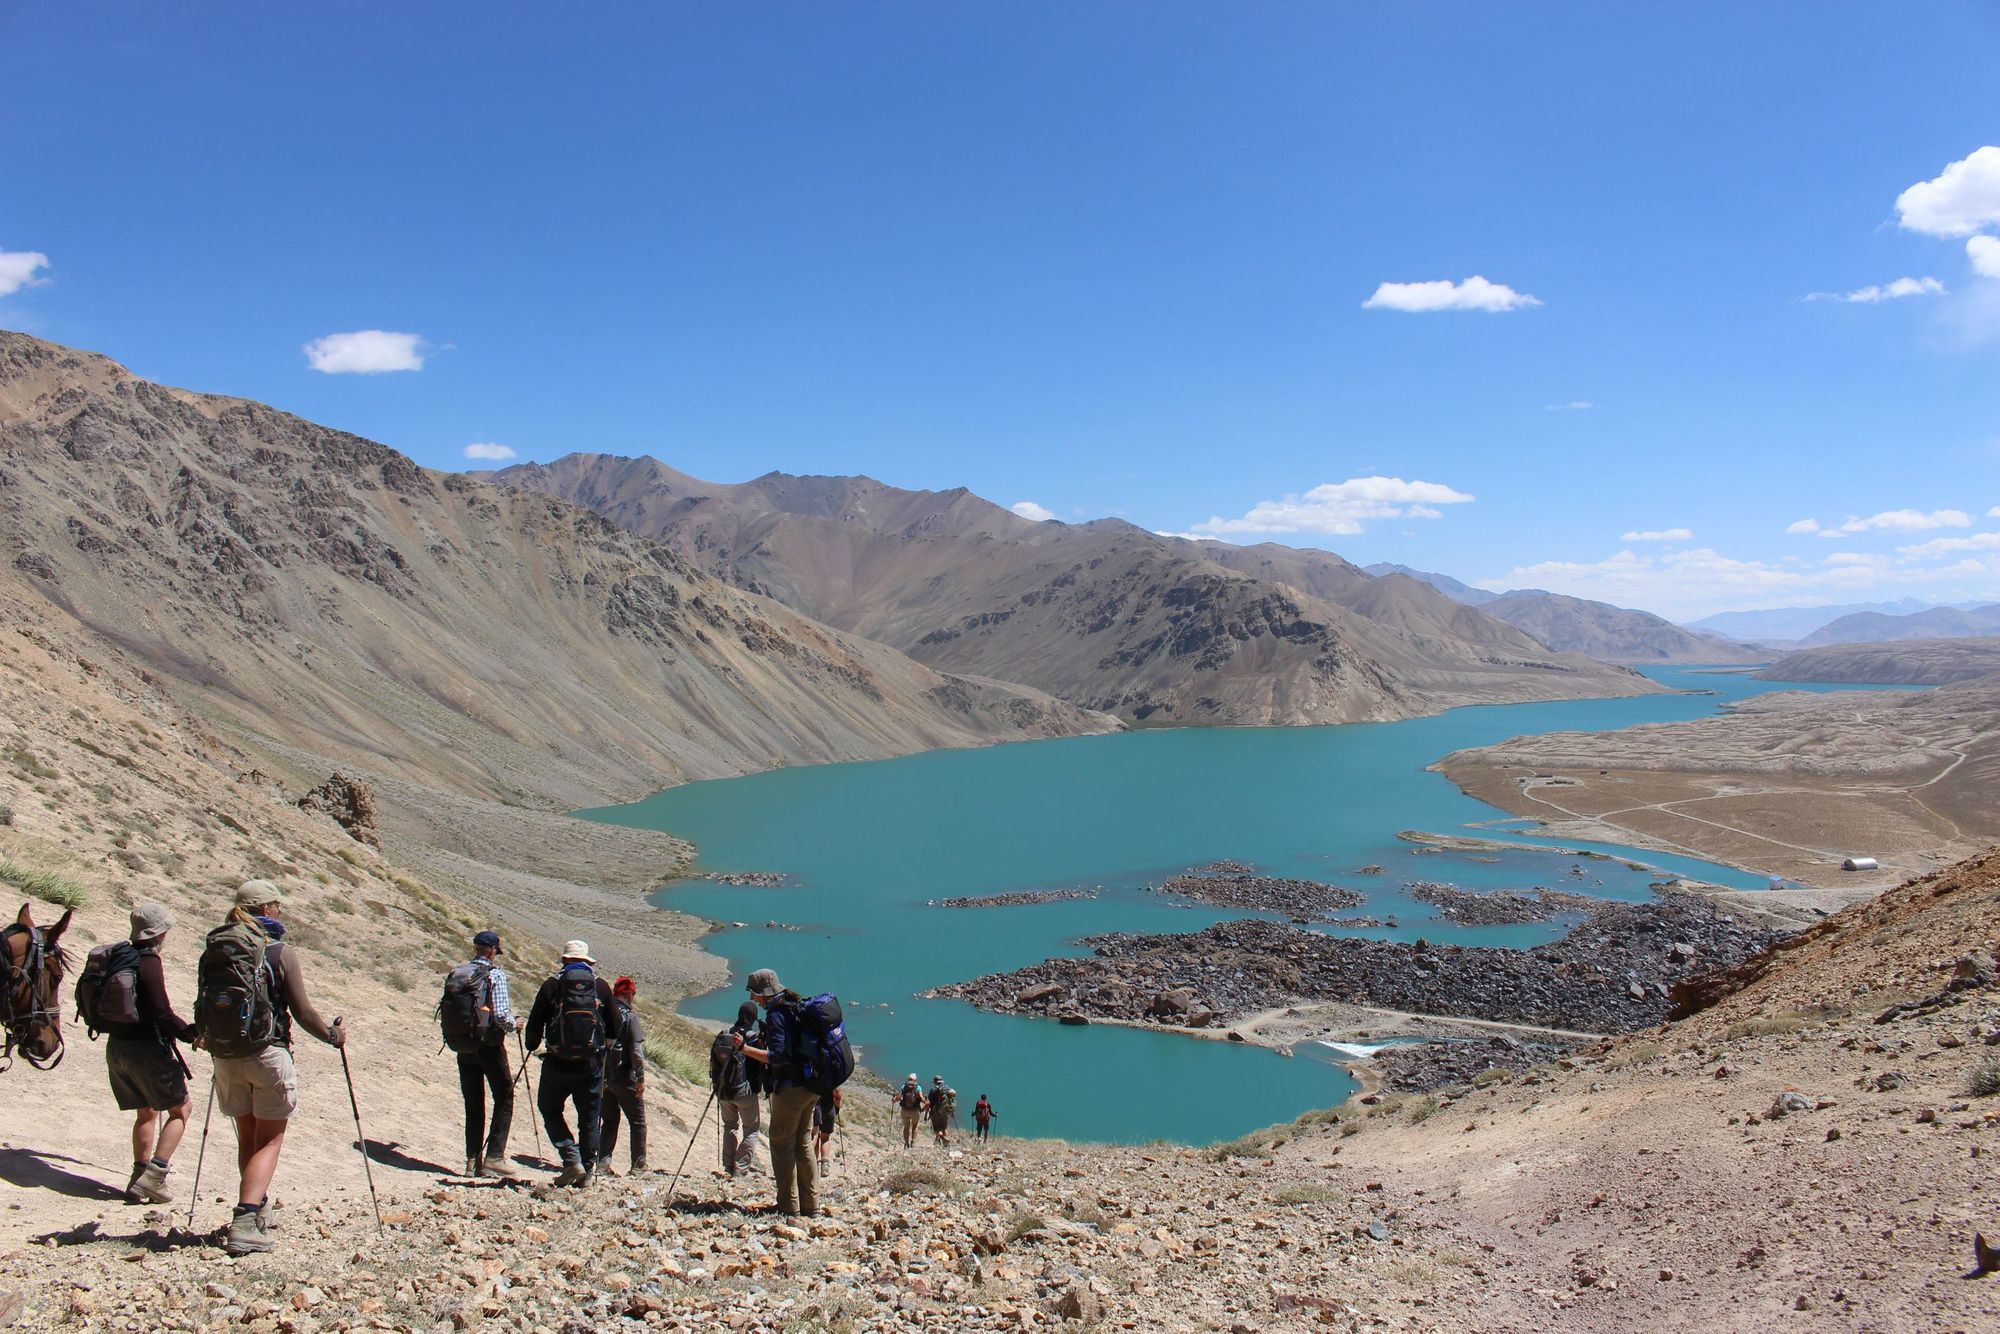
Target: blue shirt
{"points": [[781, 1042]]}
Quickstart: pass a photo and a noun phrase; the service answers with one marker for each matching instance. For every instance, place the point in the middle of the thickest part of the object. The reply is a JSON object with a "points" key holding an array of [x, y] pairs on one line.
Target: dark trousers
{"points": [[479, 1071], [564, 1082], [622, 1098]]}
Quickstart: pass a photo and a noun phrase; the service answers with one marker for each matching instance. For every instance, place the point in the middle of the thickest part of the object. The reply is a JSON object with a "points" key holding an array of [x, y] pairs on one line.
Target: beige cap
{"points": [[257, 893], [150, 921], [577, 949]]}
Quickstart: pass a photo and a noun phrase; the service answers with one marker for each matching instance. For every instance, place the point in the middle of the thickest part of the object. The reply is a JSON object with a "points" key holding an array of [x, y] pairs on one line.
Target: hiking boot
{"points": [[475, 1167], [247, 1234], [605, 1169], [497, 1169], [572, 1167], [132, 1183], [150, 1185]]}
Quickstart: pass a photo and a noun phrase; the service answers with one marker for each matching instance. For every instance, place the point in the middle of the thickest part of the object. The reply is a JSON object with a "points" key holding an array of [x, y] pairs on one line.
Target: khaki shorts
{"points": [[264, 1086]]}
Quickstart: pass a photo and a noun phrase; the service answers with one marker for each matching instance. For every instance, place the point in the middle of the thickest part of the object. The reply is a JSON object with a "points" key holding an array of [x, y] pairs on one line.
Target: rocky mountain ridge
{"points": [[1902, 662], [1103, 614]]}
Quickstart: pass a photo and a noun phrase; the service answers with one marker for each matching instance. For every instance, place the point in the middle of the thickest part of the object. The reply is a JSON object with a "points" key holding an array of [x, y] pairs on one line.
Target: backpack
{"points": [[825, 1059], [233, 1003], [107, 993], [912, 1098], [465, 1015], [576, 1033], [728, 1068]]}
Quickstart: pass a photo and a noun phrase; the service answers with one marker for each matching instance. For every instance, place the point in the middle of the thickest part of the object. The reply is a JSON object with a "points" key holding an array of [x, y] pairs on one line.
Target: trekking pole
{"points": [[360, 1134], [533, 1124], [675, 1183], [194, 1191]]}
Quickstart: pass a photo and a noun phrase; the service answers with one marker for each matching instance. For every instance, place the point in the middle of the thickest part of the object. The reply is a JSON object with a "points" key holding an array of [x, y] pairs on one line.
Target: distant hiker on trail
{"points": [[982, 1117], [826, 1120], [804, 1045], [735, 1080], [476, 1016], [943, 1103], [123, 993], [574, 1010], [250, 988], [624, 1079], [910, 1101]]}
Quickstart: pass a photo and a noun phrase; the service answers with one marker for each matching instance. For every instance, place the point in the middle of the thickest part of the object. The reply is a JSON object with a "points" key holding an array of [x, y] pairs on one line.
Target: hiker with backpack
{"points": [[982, 1118], [943, 1104], [475, 1016], [736, 1081], [122, 993], [250, 989], [805, 1055], [826, 1121], [910, 1101], [573, 1011], [624, 1080]]}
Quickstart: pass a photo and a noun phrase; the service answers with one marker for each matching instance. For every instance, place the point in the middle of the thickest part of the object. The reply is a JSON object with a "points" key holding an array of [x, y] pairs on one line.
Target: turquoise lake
{"points": [[865, 846]]}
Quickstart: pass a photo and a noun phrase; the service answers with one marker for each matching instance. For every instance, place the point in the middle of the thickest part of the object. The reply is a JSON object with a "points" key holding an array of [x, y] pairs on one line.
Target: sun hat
{"points": [[488, 940], [577, 949], [257, 893], [151, 921], [764, 982]]}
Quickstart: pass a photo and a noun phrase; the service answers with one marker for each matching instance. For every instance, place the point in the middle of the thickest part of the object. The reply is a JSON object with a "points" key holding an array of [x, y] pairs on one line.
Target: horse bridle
{"points": [[30, 975]]}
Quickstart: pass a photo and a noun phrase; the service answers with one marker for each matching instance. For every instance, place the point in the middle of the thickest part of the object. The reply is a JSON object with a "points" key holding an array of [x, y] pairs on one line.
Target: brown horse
{"points": [[32, 964]]}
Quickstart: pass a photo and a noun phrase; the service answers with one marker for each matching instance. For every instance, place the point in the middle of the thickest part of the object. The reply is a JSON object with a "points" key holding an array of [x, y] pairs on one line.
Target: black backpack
{"points": [[465, 1015], [911, 1097], [576, 1033], [729, 1070], [107, 992], [234, 982]]}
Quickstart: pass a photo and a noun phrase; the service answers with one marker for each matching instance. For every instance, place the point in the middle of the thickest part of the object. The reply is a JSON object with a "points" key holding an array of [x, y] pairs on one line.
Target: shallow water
{"points": [[866, 845]]}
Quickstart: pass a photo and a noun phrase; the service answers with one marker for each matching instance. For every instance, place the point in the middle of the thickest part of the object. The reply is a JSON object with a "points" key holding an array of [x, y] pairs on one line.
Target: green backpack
{"points": [[233, 1006]]}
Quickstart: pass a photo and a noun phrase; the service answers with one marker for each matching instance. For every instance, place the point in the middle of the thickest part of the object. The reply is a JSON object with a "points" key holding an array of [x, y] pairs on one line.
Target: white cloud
{"points": [[1801, 526], [1658, 535], [1984, 252], [1962, 199], [1578, 405], [1993, 513], [367, 352], [1475, 293], [17, 270], [1901, 521], [1894, 291], [1688, 583], [1341, 507], [1028, 509], [492, 453], [1939, 545]]}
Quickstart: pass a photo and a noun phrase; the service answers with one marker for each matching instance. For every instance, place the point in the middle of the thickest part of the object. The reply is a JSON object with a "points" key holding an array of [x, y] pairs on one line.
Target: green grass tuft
{"points": [[44, 885]]}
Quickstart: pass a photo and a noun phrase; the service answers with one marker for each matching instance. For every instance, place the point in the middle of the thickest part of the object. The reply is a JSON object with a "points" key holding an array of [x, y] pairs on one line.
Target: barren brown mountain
{"points": [[1902, 662], [483, 656], [1103, 614]]}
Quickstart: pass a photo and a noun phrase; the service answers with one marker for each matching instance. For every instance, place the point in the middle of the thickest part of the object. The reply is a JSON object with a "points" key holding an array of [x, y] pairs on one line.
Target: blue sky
{"points": [[1101, 258]]}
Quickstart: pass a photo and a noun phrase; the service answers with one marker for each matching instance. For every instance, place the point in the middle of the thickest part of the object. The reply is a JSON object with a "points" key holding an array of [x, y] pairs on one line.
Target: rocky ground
{"points": [[1231, 885], [1496, 907], [1014, 898], [1611, 973]]}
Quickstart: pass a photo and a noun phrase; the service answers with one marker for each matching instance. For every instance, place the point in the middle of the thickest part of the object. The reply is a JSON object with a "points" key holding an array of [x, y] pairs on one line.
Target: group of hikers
{"points": [[941, 1102], [251, 994]]}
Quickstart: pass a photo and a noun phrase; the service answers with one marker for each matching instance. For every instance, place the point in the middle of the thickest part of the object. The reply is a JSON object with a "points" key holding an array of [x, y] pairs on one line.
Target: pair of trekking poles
{"points": [[361, 1137]]}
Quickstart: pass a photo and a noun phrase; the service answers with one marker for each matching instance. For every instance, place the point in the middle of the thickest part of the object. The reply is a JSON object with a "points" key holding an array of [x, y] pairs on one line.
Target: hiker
{"points": [[910, 1100], [736, 1081], [574, 1011], [791, 1100], [826, 1120], [624, 1080], [148, 1076], [982, 1117], [943, 1103], [476, 1015], [250, 989]]}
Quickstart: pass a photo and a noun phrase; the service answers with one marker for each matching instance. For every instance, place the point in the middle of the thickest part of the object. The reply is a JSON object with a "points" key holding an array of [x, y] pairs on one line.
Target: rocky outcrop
{"points": [[350, 803], [1612, 973], [1300, 900]]}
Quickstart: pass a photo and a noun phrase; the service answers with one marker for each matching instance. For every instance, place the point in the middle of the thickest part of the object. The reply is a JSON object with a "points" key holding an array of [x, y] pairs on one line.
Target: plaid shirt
{"points": [[503, 1009]]}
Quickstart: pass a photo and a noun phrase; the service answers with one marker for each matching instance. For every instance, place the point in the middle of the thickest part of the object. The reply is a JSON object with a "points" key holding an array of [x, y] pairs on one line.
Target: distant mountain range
{"points": [[1871, 627], [1787, 625], [1105, 615], [1579, 625]]}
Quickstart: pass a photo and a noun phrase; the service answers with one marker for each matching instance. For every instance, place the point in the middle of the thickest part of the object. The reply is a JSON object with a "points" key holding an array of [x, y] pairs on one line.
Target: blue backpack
{"points": [[825, 1057]]}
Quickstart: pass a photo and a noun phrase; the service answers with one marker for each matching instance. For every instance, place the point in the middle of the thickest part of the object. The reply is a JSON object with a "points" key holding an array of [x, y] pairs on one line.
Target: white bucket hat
{"points": [[577, 949]]}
